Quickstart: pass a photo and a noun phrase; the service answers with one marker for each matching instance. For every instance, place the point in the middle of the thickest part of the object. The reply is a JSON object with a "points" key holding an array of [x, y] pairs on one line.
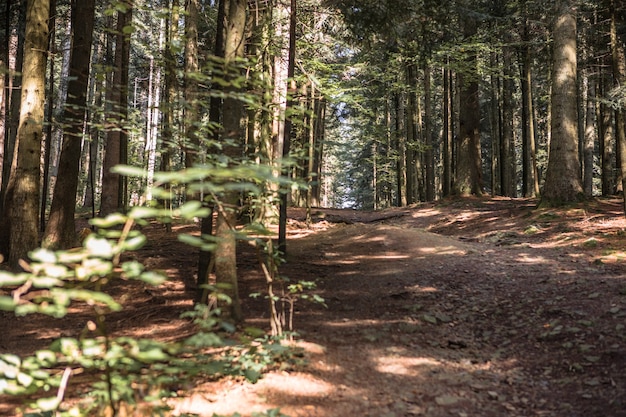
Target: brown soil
{"points": [[473, 307]]}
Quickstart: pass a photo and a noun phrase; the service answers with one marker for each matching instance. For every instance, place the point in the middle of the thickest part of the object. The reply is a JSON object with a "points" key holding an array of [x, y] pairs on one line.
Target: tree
{"points": [[60, 229], [563, 182], [113, 189], [468, 173], [232, 124], [619, 74], [22, 197]]}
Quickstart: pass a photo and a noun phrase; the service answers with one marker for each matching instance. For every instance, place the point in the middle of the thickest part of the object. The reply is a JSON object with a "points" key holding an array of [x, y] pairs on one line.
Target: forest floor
{"points": [[471, 307]]}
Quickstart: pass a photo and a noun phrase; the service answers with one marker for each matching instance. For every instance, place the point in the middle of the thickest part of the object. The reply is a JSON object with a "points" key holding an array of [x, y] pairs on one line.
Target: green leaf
{"points": [[145, 212], [24, 379], [193, 209], [132, 269], [153, 278], [48, 404], [7, 303], [11, 280], [109, 221], [135, 243], [99, 246]]}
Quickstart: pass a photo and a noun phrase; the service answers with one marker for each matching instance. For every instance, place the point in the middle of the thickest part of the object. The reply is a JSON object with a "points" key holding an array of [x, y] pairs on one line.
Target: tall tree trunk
{"points": [[447, 129], [22, 198], [233, 115], [590, 138], [113, 185], [5, 7], [60, 231], [529, 147], [192, 105], [411, 134], [45, 176], [215, 116], [468, 168], [496, 130], [607, 139], [288, 129], [619, 75], [509, 187], [429, 154], [563, 183], [14, 99], [400, 136]]}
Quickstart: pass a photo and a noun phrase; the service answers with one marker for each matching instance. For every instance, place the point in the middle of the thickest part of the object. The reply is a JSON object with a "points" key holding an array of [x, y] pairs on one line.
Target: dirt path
{"points": [[420, 324], [460, 308]]}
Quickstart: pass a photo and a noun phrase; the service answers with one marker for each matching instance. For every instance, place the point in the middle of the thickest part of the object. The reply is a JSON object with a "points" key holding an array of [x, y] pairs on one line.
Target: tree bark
{"points": [[563, 184], [590, 139], [429, 154], [113, 185], [233, 114], [288, 128], [60, 231], [619, 75], [22, 198], [469, 166]]}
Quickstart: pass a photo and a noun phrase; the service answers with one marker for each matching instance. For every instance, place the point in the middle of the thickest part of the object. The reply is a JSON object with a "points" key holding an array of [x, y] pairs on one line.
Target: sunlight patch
{"points": [[399, 365]]}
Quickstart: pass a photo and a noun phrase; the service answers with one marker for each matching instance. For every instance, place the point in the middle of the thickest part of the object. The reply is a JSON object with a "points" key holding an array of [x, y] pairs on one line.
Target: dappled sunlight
{"points": [[442, 250], [403, 365]]}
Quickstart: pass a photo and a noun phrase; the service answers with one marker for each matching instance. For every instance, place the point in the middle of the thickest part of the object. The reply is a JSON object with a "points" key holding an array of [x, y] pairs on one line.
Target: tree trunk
{"points": [[531, 176], [590, 139], [429, 154], [5, 7], [60, 232], [23, 191], [619, 75], [495, 121], [113, 185], [411, 134], [607, 140], [447, 130], [13, 100], [192, 105], [563, 183], [469, 166], [288, 128], [509, 186], [233, 114]]}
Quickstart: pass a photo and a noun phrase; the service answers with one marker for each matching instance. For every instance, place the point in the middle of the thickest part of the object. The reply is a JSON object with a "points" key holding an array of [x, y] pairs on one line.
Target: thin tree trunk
{"points": [[14, 99], [619, 74], [447, 129], [113, 185], [288, 129], [429, 158], [215, 116], [411, 135], [509, 188], [590, 139], [192, 105], [531, 176], [607, 139], [496, 131]]}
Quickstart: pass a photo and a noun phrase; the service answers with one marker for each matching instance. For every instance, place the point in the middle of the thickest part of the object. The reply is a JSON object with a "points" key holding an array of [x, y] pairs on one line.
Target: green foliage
{"points": [[126, 371]]}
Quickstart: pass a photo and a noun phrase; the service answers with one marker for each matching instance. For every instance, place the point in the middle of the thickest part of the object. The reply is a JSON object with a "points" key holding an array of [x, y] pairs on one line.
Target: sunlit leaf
{"points": [[152, 278], [7, 303]]}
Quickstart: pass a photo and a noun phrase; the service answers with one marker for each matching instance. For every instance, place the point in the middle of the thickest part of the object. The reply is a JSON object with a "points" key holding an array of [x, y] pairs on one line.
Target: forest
{"points": [[193, 192]]}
